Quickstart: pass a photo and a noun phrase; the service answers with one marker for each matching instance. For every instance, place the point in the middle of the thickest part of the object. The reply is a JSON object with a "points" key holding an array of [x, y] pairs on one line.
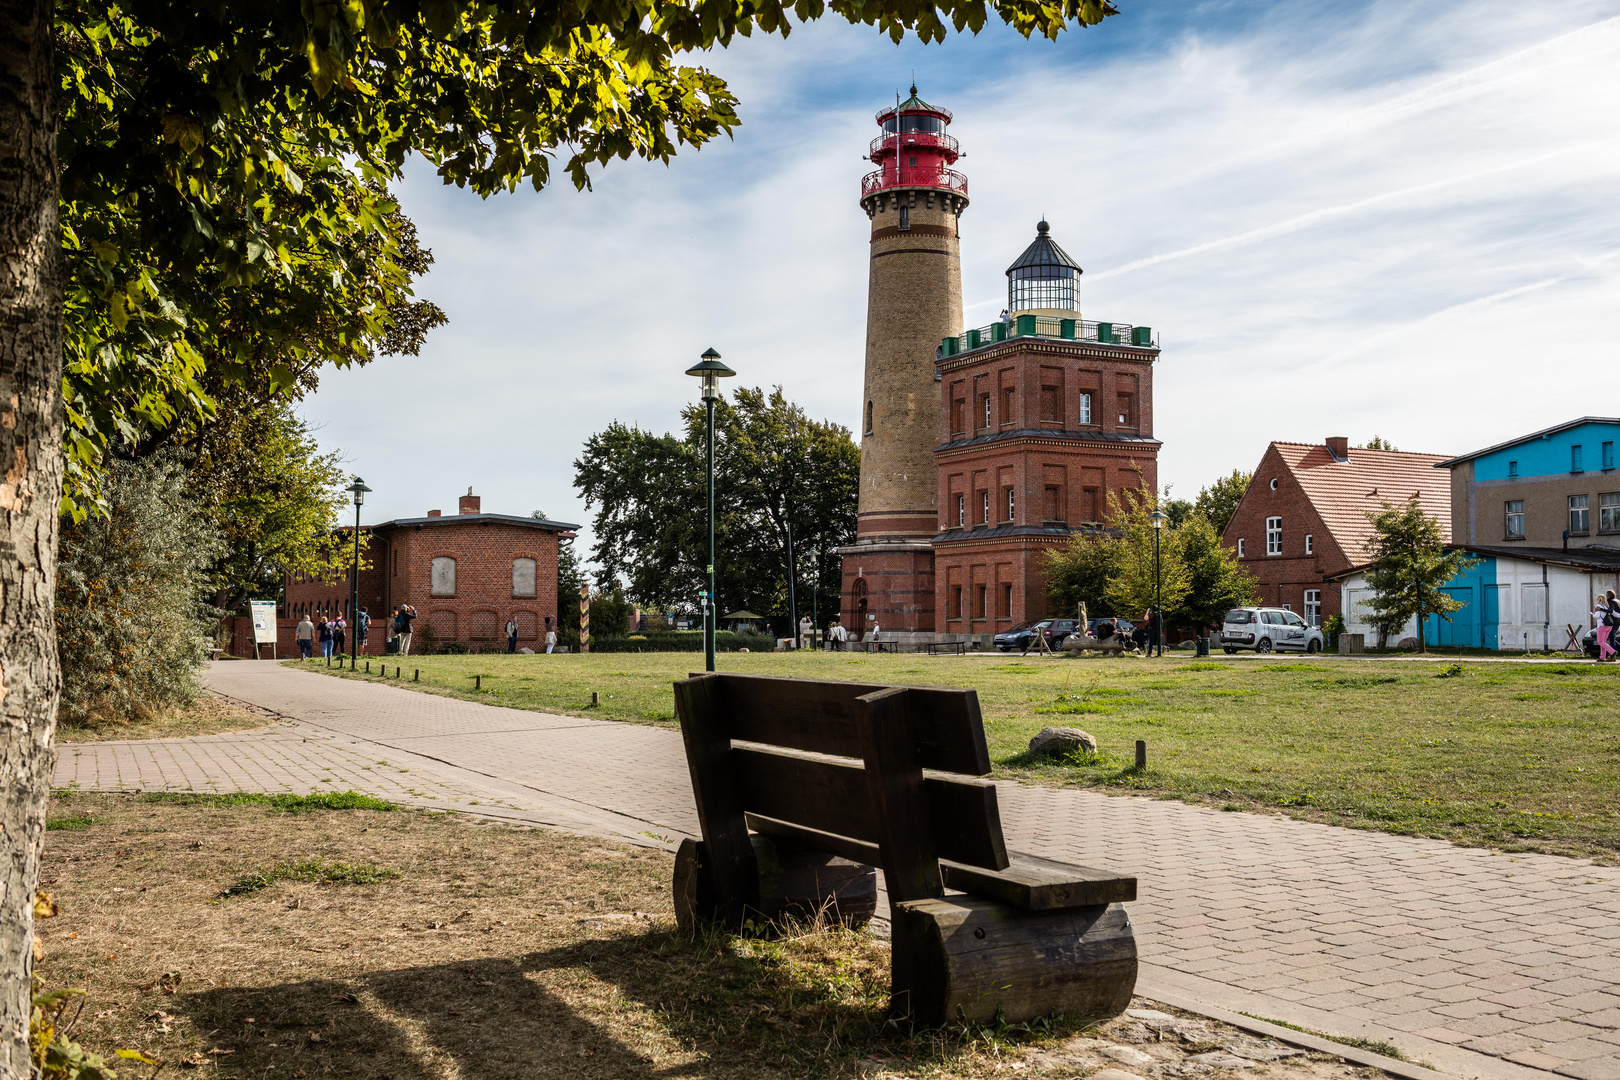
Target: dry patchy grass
{"points": [[208, 715]]}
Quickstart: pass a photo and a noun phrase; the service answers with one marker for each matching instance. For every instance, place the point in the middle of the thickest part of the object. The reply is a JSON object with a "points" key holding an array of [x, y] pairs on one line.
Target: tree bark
{"points": [[30, 491]]}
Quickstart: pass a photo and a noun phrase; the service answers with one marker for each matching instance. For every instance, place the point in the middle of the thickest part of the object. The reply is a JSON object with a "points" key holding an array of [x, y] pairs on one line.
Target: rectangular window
{"points": [[1088, 507], [984, 399], [961, 510], [958, 417], [1533, 604], [1273, 536], [984, 507], [1513, 468], [1051, 411], [1513, 519], [956, 603], [1006, 600], [1609, 511], [1313, 607], [1608, 455], [1575, 458], [1085, 408], [443, 581], [1127, 410], [984, 599], [1310, 546], [1007, 397], [1240, 547], [1054, 499], [1580, 514], [1011, 505]]}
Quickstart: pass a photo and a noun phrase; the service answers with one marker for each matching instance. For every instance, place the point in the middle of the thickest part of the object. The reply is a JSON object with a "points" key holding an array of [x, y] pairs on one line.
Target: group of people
{"points": [[512, 634], [331, 634], [1606, 613]]}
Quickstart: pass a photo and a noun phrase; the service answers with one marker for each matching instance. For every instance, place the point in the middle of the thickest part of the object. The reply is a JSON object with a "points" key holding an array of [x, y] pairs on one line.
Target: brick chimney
{"points": [[1339, 447], [435, 513], [469, 503]]}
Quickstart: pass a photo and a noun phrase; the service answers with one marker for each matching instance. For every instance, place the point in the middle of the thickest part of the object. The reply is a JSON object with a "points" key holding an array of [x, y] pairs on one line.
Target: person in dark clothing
{"points": [[323, 631], [1106, 629], [511, 635]]}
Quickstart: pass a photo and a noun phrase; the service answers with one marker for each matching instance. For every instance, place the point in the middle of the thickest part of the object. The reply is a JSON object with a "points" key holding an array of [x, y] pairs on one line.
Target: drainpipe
{"points": [[1566, 539], [1546, 594]]}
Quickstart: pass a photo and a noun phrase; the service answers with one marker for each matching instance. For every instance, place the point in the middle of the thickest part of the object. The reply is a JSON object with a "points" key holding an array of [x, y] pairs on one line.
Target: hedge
{"points": [[683, 641]]}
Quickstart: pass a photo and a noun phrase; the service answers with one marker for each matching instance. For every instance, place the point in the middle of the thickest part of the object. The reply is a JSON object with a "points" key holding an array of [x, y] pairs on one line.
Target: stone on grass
{"points": [[1127, 1055], [1408, 643], [1255, 1050], [1114, 1074], [1063, 741], [1215, 1059], [526, 651], [1148, 1014]]}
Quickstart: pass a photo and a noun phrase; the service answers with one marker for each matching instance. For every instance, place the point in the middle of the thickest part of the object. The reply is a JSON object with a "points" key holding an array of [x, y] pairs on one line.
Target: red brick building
{"points": [[1304, 521], [466, 576]]}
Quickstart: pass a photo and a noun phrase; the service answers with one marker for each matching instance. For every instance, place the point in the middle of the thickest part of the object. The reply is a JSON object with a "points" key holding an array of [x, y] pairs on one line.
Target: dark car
{"points": [[1124, 626], [1022, 637]]}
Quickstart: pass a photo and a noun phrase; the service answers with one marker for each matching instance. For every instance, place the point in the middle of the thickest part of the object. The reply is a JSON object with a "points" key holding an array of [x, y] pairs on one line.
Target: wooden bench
{"points": [[803, 785]]}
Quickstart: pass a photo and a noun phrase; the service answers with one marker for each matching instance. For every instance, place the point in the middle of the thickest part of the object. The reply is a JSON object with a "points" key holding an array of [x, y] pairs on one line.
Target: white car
{"points": [[1265, 629]]}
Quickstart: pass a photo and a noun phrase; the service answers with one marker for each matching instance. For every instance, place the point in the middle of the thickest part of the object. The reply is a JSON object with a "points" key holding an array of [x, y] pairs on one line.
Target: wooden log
{"points": [[966, 958], [796, 882]]}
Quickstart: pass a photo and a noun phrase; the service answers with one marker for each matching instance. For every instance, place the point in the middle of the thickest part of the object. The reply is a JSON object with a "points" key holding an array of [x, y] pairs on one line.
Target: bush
{"points": [[683, 641], [1331, 631], [131, 627]]}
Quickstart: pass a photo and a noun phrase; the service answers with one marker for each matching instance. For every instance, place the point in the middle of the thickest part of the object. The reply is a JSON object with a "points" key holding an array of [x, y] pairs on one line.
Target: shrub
{"points": [[683, 641], [131, 627]]}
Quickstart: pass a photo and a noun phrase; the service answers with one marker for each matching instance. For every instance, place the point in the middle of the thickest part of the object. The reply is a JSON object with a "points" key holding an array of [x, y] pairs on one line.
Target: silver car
{"points": [[1265, 629]]}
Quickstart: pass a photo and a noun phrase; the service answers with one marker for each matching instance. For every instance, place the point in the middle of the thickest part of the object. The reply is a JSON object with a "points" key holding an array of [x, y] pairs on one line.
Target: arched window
{"points": [[522, 577], [444, 576]]}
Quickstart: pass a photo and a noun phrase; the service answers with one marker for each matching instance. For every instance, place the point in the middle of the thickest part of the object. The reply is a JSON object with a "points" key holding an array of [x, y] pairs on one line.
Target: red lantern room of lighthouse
{"points": [[914, 149]]}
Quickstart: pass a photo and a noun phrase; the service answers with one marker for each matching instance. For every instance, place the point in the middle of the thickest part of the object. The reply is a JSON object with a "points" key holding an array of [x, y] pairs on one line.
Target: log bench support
{"points": [[803, 787]]}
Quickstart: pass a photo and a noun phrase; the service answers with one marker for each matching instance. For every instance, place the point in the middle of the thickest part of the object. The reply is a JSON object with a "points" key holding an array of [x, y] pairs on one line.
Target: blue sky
{"points": [[1387, 218]]}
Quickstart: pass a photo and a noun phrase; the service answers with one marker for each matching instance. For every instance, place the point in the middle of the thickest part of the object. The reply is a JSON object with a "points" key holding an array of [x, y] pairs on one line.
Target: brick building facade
{"points": [[466, 576], [1303, 520]]}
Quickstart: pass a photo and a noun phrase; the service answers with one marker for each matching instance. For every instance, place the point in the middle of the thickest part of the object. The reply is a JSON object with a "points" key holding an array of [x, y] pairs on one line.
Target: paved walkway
{"points": [[1477, 963]]}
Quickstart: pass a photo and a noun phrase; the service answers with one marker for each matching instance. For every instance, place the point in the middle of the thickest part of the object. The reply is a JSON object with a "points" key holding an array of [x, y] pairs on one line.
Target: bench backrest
{"points": [[839, 765]]}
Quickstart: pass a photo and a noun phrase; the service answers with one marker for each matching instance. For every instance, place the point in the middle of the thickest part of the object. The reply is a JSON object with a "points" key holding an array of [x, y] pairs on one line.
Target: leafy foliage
{"points": [[1378, 442], [1219, 501], [1113, 571], [1409, 569], [129, 623], [773, 466], [319, 871], [293, 804]]}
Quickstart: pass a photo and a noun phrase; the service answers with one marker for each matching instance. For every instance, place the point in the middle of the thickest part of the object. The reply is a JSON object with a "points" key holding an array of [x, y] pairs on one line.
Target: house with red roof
{"points": [[1303, 521]]}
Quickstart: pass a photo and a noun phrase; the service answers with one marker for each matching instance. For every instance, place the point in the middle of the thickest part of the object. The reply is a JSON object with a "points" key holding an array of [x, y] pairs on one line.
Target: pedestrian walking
{"points": [[306, 637], [1611, 622], [340, 631], [323, 633], [511, 634], [362, 627], [837, 634], [551, 637], [402, 628], [1600, 619]]}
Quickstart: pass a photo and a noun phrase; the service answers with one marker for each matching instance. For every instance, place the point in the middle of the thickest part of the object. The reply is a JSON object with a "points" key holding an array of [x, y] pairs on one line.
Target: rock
{"points": [[526, 651], [1127, 1055], [1255, 1050], [1062, 741], [1216, 1059], [1408, 643], [1114, 1074], [1148, 1014]]}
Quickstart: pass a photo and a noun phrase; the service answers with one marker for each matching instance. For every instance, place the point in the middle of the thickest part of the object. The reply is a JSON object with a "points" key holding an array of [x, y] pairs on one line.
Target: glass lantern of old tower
{"points": [[1044, 281]]}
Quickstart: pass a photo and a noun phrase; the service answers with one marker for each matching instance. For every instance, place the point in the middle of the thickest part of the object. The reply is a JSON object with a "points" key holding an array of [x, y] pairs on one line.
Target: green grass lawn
{"points": [[1521, 757]]}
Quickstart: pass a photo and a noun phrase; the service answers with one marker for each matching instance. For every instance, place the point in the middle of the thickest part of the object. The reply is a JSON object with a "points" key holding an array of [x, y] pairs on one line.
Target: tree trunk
{"points": [[30, 491]]}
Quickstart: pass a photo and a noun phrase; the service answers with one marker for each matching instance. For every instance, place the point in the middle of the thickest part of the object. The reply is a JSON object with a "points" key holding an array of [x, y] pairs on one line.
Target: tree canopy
{"points": [[773, 466], [1410, 568], [1219, 501]]}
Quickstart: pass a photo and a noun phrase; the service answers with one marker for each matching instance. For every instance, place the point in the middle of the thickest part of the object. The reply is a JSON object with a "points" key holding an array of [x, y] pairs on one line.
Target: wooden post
{"points": [[894, 783], [584, 617], [733, 873], [1141, 754]]}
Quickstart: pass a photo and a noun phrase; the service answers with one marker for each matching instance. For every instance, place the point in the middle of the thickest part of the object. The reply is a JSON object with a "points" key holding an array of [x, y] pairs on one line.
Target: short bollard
{"points": [[417, 677], [1141, 754], [368, 667], [594, 699], [478, 682]]}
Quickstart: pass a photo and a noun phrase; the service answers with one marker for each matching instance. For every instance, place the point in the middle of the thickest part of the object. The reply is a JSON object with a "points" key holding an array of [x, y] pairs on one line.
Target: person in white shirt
{"points": [[836, 634], [511, 635], [551, 640]]}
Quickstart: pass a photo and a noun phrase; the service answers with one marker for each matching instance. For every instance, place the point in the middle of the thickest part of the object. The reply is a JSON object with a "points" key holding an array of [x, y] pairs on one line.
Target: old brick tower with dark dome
{"points": [[984, 448]]}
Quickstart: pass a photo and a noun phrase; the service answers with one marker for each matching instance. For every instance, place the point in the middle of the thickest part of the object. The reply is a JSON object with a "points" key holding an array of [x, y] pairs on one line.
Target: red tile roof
{"points": [[1343, 491]]}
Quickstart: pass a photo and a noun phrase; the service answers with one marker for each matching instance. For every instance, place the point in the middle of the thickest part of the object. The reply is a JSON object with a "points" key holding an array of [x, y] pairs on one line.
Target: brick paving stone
{"points": [[1510, 956]]}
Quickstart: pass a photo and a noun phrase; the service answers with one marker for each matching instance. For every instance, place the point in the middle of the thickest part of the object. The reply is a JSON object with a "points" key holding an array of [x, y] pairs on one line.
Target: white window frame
{"points": [[1609, 511], [1584, 508], [1509, 515], [987, 420], [1240, 547], [1011, 503], [1274, 536], [1313, 608], [961, 511], [1310, 545], [1085, 408], [984, 506]]}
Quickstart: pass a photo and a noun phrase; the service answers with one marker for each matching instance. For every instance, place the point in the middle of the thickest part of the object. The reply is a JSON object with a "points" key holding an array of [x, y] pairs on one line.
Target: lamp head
{"points": [[1157, 517], [358, 489], [711, 371]]}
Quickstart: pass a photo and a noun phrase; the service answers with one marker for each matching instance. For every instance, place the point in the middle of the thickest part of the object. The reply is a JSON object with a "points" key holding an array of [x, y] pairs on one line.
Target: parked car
{"points": [[1124, 626], [1268, 629], [1022, 637]]}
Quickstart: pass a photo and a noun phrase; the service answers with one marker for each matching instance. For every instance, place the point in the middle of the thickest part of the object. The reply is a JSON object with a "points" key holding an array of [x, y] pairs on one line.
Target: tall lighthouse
{"points": [[914, 300]]}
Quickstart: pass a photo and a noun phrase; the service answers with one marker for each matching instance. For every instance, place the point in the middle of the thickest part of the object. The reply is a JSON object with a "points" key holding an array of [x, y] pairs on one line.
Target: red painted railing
{"points": [[919, 176], [916, 138]]}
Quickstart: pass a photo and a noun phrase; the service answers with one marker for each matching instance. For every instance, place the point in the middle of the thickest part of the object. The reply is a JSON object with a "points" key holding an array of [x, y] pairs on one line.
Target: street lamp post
{"points": [[711, 371], [358, 489], [815, 601], [1157, 517], [793, 596]]}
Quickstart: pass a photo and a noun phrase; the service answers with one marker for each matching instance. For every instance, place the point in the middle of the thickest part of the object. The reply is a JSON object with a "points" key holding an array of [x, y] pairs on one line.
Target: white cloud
{"points": [[1398, 219]]}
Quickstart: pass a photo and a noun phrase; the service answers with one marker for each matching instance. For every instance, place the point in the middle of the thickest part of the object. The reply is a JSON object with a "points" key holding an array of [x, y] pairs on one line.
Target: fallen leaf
{"points": [[39, 949], [73, 935], [44, 906], [314, 1036]]}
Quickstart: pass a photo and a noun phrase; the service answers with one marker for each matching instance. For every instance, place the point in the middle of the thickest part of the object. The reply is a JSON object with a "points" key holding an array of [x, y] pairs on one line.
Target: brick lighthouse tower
{"points": [[914, 301]]}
